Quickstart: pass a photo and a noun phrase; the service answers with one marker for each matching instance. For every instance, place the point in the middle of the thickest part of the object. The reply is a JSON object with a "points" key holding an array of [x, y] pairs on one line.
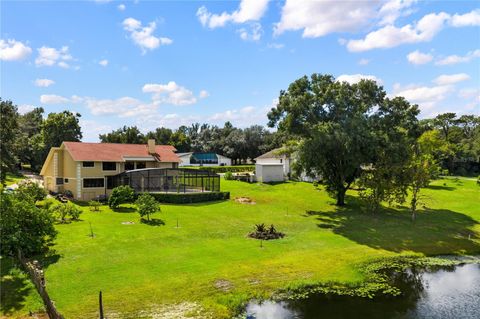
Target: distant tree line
{"points": [[237, 143]]}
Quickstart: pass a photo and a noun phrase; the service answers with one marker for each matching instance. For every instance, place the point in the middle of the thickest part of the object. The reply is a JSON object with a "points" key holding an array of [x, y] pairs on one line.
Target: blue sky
{"points": [[169, 63]]}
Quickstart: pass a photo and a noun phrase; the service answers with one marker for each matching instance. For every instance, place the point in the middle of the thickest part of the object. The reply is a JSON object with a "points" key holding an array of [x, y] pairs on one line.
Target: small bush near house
{"points": [[68, 194], [31, 191], [228, 176], [94, 205], [147, 205], [261, 231], [73, 211], [121, 195], [61, 211]]}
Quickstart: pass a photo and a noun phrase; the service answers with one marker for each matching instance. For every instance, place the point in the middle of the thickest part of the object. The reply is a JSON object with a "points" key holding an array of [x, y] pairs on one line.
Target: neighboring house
{"points": [[85, 169], [272, 167], [203, 159]]}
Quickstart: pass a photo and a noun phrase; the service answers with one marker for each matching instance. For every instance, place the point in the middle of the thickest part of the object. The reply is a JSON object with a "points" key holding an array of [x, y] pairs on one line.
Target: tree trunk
{"points": [[341, 197]]}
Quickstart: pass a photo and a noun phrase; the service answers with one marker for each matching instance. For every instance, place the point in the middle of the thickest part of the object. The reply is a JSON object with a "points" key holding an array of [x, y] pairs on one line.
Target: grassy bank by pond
{"points": [[208, 263]]}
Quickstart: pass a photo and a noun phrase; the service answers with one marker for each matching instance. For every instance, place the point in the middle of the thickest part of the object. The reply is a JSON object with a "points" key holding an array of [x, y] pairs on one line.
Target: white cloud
{"points": [[170, 93], [255, 33], [53, 99], [111, 106], [12, 50], [94, 129], [469, 93], [242, 117], [445, 79], [50, 56], [393, 9], [390, 36], [424, 30], [121, 7], [468, 19], [249, 10], [44, 82], [58, 99], [417, 57], [143, 36], [25, 108], [103, 62], [455, 59], [355, 78], [427, 97], [319, 18], [203, 94], [364, 61]]}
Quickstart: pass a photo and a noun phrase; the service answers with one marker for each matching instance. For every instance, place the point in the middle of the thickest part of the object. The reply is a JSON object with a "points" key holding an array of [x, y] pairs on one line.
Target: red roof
{"points": [[112, 152]]}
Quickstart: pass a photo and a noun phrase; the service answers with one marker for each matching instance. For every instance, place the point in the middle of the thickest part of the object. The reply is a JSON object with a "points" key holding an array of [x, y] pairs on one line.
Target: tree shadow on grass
{"points": [[16, 286], [15, 282], [434, 232], [124, 210], [152, 222], [441, 187]]}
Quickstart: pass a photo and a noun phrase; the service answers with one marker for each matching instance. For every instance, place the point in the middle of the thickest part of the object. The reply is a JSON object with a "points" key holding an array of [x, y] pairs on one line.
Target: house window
{"points": [[93, 182], [141, 165], [65, 180], [109, 166], [281, 161], [129, 166], [88, 164], [59, 181]]}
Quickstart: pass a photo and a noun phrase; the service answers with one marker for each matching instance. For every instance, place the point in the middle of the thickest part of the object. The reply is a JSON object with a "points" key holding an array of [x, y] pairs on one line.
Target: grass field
{"points": [[208, 264], [13, 178]]}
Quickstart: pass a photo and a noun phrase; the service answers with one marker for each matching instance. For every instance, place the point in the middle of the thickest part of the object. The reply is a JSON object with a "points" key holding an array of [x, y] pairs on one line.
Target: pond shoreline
{"points": [[379, 283]]}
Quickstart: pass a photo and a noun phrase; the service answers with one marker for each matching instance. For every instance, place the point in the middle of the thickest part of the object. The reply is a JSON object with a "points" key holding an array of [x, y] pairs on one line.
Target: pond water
{"points": [[452, 292]]}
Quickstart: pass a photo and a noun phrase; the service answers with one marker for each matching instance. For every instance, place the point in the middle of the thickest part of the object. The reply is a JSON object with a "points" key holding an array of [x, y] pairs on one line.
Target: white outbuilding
{"points": [[273, 166]]}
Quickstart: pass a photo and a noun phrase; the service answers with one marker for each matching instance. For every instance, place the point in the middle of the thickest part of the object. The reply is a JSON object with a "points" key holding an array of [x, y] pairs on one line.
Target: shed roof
{"points": [[275, 153]]}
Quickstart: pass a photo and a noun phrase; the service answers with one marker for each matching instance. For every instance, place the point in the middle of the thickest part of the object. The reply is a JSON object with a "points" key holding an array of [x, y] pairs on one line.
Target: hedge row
{"points": [[185, 198], [224, 169]]}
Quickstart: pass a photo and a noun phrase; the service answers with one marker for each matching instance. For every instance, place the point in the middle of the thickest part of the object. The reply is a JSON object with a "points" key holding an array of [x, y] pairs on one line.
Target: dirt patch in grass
{"points": [[184, 310], [128, 223], [223, 285], [245, 200]]}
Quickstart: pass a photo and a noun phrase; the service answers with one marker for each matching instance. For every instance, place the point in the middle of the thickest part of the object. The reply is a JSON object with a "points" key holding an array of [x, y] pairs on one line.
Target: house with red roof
{"points": [[85, 169]]}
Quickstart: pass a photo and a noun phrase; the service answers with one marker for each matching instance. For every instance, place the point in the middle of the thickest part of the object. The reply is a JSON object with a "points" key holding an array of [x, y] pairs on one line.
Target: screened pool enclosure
{"points": [[167, 180]]}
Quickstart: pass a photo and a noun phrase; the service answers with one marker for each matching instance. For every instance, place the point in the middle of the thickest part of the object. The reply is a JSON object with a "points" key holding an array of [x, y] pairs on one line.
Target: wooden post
{"points": [[100, 304]]}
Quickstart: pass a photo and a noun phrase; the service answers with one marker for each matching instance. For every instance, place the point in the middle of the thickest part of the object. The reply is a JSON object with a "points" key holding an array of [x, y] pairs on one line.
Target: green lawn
{"points": [[144, 269], [13, 178]]}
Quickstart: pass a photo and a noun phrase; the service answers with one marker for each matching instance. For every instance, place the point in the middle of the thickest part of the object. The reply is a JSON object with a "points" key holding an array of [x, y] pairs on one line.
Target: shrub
{"points": [[94, 205], [260, 231], [186, 198], [61, 211], [478, 180], [31, 191], [68, 193], [228, 176], [147, 205], [121, 195], [73, 211]]}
